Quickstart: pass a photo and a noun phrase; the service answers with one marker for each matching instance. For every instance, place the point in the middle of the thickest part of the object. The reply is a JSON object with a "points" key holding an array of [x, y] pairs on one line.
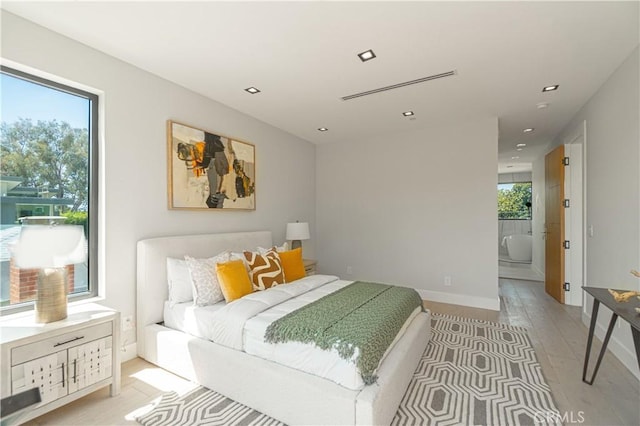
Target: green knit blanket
{"points": [[361, 319]]}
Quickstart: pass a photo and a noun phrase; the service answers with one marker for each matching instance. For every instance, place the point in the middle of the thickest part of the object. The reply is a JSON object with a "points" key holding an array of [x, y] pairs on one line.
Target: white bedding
{"points": [[242, 323], [304, 357], [191, 319], [223, 322]]}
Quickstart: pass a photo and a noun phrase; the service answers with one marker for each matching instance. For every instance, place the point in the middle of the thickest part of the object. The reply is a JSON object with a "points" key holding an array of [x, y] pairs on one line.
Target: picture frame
{"points": [[209, 171]]}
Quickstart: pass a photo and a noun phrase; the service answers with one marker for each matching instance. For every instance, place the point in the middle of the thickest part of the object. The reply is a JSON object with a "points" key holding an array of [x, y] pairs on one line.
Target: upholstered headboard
{"points": [[152, 288]]}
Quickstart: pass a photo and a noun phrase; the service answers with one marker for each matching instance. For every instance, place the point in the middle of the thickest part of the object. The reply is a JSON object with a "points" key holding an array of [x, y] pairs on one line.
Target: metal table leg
{"points": [[592, 326], [636, 342]]}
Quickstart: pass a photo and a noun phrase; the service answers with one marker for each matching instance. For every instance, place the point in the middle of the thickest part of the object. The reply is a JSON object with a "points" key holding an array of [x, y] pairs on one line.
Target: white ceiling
{"points": [[302, 56]]}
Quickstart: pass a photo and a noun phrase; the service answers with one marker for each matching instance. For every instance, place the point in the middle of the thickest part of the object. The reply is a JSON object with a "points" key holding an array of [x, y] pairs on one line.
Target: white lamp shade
{"points": [[45, 246], [297, 231]]}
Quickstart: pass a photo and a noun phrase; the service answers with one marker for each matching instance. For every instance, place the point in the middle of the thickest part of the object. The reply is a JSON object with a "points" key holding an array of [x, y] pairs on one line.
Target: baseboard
{"points": [[128, 352], [537, 270], [460, 299], [624, 354]]}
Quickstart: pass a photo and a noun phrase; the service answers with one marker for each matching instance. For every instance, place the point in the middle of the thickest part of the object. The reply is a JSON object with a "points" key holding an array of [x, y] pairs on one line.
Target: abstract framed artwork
{"points": [[209, 171]]}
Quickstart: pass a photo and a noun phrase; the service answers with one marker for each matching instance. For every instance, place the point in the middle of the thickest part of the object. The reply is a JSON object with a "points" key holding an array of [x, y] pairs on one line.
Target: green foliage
{"points": [[512, 202], [47, 154], [77, 218]]}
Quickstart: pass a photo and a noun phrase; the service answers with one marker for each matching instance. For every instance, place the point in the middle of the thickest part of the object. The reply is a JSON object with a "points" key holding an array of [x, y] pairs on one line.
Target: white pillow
{"points": [[179, 280], [283, 247], [234, 255], [206, 288]]}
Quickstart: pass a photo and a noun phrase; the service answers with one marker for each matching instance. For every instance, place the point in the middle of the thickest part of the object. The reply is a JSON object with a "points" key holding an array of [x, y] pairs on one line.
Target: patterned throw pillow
{"points": [[266, 269], [206, 288]]}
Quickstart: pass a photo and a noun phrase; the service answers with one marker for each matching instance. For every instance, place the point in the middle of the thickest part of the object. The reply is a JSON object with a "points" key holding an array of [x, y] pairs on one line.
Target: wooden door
{"points": [[554, 224]]}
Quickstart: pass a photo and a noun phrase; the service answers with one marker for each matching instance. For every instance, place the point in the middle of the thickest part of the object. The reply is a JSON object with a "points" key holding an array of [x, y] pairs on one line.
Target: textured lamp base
{"points": [[296, 244], [51, 300]]}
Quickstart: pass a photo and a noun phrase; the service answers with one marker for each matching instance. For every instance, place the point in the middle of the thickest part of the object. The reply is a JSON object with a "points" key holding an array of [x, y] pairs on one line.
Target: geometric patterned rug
{"points": [[472, 373], [477, 372], [200, 407]]}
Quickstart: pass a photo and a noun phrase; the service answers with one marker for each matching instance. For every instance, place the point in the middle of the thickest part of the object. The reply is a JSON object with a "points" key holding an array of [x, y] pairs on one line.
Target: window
{"points": [[514, 200], [48, 172]]}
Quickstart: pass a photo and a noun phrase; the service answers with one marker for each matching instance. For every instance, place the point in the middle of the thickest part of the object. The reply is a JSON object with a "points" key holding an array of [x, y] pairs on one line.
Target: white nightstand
{"points": [[309, 266], [66, 359]]}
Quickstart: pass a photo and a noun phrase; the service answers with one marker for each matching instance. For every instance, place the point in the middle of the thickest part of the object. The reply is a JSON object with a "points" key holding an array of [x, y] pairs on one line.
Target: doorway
{"points": [[515, 210]]}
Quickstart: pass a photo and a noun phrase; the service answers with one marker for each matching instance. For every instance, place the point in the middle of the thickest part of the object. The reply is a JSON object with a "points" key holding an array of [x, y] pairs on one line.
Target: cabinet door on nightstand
{"points": [[310, 267], [46, 373], [90, 363]]}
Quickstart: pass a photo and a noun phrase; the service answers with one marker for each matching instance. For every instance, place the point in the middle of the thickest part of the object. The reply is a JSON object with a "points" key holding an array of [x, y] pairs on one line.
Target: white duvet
{"points": [[242, 323]]}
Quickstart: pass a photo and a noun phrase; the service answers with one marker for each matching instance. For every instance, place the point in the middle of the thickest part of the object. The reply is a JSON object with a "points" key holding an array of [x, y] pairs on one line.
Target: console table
{"points": [[624, 310]]}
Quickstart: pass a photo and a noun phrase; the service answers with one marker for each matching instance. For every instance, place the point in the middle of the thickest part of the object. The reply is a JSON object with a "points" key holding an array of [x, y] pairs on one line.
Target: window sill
{"points": [[29, 312]]}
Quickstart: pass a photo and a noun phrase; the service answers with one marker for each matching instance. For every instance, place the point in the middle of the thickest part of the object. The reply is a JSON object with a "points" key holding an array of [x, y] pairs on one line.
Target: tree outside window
{"points": [[514, 200]]}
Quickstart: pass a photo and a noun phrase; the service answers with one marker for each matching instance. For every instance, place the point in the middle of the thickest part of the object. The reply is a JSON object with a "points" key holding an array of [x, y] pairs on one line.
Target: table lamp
{"points": [[296, 232], [50, 248]]}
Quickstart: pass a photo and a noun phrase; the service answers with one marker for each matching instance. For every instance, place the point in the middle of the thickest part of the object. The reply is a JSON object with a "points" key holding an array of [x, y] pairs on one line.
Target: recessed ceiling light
{"points": [[528, 129], [252, 90], [518, 149], [515, 158], [366, 56], [550, 88], [323, 129], [520, 145], [407, 113], [542, 105]]}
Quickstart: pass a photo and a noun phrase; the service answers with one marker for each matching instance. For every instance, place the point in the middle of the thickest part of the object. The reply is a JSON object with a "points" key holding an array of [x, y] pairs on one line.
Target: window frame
{"points": [[93, 187]]}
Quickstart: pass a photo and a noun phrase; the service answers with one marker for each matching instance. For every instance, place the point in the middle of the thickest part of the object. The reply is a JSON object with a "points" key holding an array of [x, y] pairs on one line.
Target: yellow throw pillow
{"points": [[234, 280], [292, 264]]}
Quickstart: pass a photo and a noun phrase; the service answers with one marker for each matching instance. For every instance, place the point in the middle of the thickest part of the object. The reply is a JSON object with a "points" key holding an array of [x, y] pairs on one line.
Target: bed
{"points": [[287, 394]]}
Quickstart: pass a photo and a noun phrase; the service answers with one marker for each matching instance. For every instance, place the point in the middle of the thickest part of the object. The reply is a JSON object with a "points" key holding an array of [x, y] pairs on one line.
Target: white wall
{"points": [[514, 177], [613, 192], [537, 215], [413, 208], [136, 105]]}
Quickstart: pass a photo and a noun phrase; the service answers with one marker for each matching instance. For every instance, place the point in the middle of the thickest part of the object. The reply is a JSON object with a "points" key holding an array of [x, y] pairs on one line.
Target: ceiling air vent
{"points": [[396, 86]]}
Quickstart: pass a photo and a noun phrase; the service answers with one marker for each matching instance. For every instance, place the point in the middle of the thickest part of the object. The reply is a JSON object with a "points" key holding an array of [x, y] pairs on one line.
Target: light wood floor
{"points": [[556, 332]]}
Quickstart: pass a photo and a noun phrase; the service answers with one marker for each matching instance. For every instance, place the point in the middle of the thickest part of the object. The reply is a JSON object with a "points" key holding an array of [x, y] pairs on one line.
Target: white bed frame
{"points": [[286, 394]]}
